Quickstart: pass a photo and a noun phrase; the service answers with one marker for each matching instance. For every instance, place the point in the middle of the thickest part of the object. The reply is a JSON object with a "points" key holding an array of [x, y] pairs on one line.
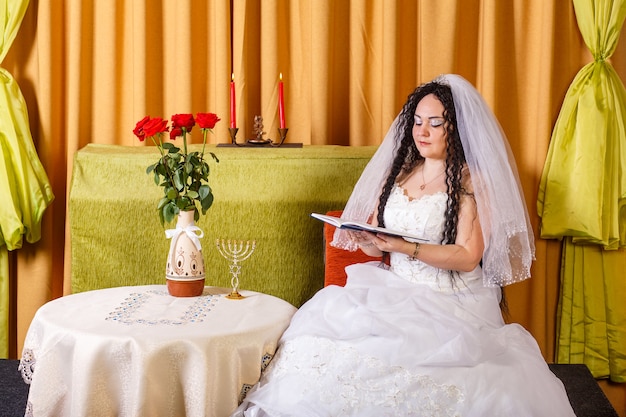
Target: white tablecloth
{"points": [[137, 351]]}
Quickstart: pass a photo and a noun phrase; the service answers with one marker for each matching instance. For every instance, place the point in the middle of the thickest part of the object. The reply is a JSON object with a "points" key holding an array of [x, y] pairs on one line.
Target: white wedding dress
{"points": [[405, 342]]}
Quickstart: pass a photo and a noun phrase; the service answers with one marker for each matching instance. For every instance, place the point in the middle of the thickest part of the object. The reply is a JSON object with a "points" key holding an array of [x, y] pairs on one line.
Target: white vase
{"points": [[185, 264]]}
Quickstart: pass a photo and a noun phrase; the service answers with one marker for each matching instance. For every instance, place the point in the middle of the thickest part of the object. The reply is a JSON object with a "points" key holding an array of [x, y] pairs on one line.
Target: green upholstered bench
{"points": [[261, 194]]}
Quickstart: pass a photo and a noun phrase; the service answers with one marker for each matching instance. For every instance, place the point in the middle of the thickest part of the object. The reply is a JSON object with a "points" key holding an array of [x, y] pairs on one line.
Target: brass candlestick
{"points": [[233, 134], [282, 132]]}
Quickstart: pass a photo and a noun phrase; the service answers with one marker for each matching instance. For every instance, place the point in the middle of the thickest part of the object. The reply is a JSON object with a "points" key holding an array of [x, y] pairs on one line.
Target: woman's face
{"points": [[429, 132]]}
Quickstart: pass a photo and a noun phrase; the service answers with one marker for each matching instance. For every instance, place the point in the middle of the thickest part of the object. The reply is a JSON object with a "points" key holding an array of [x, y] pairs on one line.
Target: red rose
{"points": [[183, 121], [175, 132], [154, 126], [207, 120], [138, 130]]}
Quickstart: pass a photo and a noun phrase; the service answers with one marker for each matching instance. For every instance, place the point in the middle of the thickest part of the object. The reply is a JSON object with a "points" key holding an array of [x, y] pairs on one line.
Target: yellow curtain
{"points": [[582, 195], [90, 69], [24, 185]]}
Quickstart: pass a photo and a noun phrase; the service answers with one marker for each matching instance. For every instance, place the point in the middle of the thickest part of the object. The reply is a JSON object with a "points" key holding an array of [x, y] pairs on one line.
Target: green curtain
{"points": [[24, 187], [581, 200]]}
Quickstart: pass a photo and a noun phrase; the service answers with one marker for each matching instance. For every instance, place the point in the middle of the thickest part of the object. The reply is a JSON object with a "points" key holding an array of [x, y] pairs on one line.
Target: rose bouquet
{"points": [[183, 175]]}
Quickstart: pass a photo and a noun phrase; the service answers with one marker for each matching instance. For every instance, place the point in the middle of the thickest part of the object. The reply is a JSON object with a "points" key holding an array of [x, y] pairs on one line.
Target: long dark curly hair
{"points": [[408, 157]]}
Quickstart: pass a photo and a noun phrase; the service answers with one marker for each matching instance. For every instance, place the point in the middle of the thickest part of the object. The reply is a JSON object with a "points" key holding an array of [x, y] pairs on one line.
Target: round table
{"points": [[137, 351]]}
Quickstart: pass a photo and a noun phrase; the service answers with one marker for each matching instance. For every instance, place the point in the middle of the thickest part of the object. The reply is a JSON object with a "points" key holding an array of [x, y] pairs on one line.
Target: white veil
{"points": [[509, 241]]}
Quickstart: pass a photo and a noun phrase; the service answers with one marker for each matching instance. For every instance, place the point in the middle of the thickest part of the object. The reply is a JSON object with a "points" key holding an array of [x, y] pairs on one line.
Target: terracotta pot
{"points": [[185, 264], [187, 288]]}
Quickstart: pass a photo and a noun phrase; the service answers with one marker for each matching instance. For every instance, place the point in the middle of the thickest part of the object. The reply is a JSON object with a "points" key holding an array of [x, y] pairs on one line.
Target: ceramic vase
{"points": [[185, 264]]}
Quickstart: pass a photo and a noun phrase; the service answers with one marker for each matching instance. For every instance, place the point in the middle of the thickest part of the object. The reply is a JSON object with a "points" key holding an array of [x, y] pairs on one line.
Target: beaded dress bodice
{"points": [[422, 217]]}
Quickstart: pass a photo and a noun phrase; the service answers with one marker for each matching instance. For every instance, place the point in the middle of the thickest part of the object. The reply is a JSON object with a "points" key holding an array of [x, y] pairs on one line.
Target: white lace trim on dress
{"points": [[332, 379]]}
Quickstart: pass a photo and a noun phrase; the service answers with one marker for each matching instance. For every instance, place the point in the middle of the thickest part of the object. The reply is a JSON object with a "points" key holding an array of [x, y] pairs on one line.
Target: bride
{"points": [[424, 336]]}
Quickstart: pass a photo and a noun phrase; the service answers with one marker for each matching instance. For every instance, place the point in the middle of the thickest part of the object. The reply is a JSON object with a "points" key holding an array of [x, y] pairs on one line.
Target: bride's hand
{"points": [[363, 239], [387, 243]]}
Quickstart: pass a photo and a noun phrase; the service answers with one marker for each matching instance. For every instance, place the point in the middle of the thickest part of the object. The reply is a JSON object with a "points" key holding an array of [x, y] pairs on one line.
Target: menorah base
{"points": [[235, 296]]}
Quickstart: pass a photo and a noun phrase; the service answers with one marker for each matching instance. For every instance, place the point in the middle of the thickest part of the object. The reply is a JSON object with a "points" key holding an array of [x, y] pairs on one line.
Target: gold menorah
{"points": [[235, 251]]}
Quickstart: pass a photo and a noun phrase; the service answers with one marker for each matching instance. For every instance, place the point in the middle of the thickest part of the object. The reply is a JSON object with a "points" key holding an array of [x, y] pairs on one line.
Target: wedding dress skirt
{"points": [[406, 342]]}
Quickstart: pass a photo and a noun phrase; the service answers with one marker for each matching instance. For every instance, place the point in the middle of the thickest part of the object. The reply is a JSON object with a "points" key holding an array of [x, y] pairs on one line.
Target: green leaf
{"points": [[162, 202], [172, 165], [179, 180], [171, 193], [170, 147], [169, 212], [188, 167], [160, 169], [204, 191], [192, 194], [161, 218], [206, 203]]}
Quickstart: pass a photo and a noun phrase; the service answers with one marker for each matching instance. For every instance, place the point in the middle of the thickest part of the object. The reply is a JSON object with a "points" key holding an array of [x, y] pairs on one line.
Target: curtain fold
{"points": [[592, 318], [581, 198], [24, 185]]}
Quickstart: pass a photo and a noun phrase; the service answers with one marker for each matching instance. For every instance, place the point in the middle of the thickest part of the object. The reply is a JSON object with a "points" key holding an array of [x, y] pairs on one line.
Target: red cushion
{"points": [[337, 259]]}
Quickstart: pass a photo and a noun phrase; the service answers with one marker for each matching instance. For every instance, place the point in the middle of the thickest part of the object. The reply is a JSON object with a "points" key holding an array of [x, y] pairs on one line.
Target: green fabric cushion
{"points": [[262, 194]]}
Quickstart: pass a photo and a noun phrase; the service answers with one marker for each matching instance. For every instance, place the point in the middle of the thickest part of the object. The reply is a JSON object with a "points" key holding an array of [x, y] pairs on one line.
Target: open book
{"points": [[362, 226]]}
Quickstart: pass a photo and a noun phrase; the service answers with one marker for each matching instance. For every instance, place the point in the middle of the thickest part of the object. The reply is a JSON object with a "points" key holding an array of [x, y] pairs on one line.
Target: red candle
{"points": [[281, 102], [233, 106]]}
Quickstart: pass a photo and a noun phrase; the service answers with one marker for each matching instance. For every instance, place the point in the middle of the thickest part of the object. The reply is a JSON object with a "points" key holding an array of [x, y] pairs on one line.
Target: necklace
{"points": [[424, 183]]}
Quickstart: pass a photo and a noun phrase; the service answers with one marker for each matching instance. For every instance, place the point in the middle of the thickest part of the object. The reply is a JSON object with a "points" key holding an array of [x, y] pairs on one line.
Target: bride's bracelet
{"points": [[415, 252]]}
